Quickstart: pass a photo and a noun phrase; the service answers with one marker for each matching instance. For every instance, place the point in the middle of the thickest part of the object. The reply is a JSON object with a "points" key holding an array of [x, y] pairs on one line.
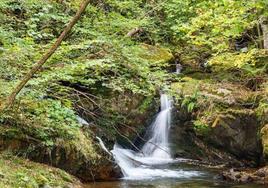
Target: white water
{"points": [[178, 68], [156, 151], [157, 145]]}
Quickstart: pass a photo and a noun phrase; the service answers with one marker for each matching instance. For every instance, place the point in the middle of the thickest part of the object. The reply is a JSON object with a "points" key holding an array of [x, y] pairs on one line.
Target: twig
{"points": [[86, 95], [127, 140], [137, 134]]}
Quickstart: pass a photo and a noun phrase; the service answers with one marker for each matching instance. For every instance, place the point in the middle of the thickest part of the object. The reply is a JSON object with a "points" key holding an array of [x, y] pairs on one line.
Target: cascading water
{"points": [[155, 152], [157, 145], [178, 68]]}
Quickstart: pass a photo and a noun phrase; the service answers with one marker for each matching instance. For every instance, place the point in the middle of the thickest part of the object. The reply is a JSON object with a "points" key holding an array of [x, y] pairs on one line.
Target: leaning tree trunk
{"points": [[264, 27], [11, 98]]}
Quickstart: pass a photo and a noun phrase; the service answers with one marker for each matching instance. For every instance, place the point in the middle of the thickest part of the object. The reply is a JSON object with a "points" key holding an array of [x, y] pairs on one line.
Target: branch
{"points": [[138, 135], [128, 140], [11, 98]]}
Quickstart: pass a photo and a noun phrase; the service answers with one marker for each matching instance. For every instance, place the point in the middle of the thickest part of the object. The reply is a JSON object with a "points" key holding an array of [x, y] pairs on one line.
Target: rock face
{"points": [[237, 133], [223, 115], [185, 143]]}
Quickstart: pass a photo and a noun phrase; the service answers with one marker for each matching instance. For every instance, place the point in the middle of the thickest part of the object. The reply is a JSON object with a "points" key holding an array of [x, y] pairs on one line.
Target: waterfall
{"points": [[157, 145], [145, 164], [178, 68]]}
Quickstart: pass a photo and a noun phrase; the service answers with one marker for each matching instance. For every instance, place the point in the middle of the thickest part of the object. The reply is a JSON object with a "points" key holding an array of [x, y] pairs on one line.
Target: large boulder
{"points": [[184, 142], [223, 114], [67, 157], [237, 133]]}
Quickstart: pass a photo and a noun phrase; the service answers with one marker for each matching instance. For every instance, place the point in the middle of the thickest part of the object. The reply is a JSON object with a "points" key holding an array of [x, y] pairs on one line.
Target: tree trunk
{"points": [[264, 27], [11, 98]]}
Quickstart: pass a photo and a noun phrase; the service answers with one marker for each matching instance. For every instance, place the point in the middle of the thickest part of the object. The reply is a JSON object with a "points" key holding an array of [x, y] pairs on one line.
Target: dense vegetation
{"points": [[111, 66]]}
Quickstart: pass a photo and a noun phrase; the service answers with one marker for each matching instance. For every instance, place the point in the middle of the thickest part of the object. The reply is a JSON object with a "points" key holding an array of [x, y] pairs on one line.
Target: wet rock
{"points": [[82, 166], [245, 176], [237, 176], [105, 170], [185, 143], [262, 172]]}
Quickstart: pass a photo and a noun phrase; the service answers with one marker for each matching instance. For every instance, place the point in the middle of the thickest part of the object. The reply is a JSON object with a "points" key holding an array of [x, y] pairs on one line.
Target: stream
{"points": [[153, 166], [171, 183]]}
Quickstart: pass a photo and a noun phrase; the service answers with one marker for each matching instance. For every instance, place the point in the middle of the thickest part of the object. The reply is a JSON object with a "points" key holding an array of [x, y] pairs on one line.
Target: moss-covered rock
{"points": [[264, 138], [17, 172], [155, 53], [223, 113], [79, 156], [237, 132]]}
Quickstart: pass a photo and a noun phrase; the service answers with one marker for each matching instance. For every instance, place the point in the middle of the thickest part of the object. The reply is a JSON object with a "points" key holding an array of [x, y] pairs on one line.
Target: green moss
{"points": [[220, 94], [155, 53], [262, 112], [201, 128], [47, 124], [146, 104], [264, 138], [186, 86], [17, 172]]}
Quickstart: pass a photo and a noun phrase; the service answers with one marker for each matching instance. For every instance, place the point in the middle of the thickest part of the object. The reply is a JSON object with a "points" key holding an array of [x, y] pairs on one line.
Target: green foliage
{"points": [[96, 56], [190, 102], [146, 104], [211, 24], [201, 128], [237, 60], [262, 112], [45, 120], [251, 65]]}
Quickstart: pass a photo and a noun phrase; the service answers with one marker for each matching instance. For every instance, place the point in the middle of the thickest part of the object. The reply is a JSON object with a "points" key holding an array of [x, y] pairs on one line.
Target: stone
{"points": [[262, 172], [245, 176], [236, 132]]}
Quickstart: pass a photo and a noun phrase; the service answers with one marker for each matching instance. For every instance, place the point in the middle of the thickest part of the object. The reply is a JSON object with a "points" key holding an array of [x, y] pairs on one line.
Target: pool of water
{"points": [[171, 183], [206, 178]]}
